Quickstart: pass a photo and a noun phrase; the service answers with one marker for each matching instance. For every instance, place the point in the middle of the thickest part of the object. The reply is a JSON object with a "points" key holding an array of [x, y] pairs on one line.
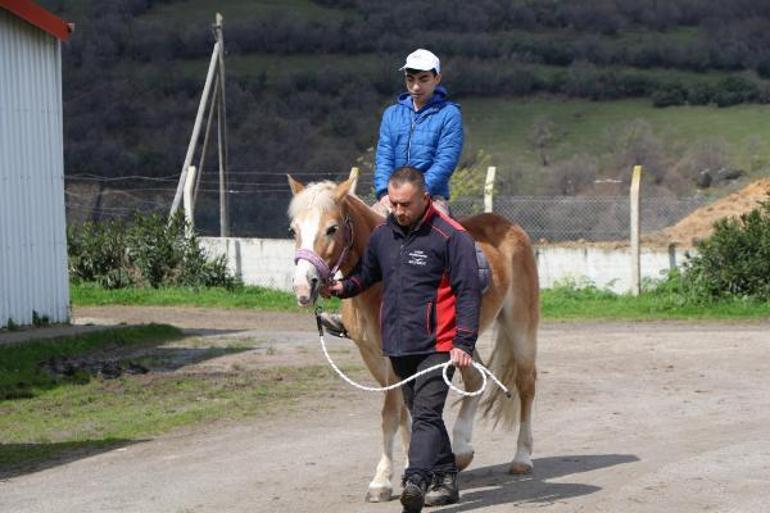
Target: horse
{"points": [[331, 227]]}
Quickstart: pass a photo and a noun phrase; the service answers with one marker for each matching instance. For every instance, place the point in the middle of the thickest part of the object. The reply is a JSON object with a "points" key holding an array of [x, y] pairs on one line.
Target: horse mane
{"points": [[317, 195]]}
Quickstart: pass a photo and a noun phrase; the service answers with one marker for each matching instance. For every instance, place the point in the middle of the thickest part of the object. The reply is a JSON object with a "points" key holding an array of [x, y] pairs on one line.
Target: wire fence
{"points": [[258, 206], [590, 218]]}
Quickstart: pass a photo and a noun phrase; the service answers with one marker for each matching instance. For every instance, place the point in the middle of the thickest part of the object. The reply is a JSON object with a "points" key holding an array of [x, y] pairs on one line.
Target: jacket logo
{"points": [[418, 257]]}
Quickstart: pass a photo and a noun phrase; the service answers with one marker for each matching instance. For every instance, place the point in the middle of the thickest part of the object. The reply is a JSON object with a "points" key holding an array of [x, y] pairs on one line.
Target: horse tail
{"points": [[495, 406], [513, 356]]}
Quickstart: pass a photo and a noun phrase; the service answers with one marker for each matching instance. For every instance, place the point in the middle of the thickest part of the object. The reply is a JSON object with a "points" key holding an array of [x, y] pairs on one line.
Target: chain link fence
{"points": [[593, 218], [260, 211]]}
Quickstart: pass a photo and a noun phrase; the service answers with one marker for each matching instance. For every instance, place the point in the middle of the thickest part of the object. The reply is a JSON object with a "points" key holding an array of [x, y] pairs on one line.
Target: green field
{"points": [[500, 126]]}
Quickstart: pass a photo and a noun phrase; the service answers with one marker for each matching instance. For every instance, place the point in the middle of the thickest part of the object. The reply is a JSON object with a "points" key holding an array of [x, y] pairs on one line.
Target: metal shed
{"points": [[33, 241]]}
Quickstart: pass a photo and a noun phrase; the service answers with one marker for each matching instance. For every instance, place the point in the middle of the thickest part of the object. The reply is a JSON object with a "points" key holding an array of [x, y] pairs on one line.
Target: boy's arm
{"points": [[450, 146], [385, 158]]}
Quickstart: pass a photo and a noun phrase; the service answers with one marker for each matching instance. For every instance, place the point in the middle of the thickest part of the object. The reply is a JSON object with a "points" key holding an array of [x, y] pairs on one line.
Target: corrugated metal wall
{"points": [[33, 242]]}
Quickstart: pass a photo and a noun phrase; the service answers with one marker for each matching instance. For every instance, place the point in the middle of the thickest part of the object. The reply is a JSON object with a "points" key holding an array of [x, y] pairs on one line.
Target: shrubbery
{"points": [[733, 263], [145, 251]]}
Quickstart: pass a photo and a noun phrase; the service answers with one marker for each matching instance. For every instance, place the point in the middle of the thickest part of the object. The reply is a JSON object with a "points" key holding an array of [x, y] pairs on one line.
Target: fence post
{"points": [[189, 206], [354, 175], [636, 279], [489, 189]]}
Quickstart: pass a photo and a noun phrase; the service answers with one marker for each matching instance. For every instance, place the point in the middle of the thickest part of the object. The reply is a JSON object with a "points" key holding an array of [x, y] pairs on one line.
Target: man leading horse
{"points": [[430, 314]]}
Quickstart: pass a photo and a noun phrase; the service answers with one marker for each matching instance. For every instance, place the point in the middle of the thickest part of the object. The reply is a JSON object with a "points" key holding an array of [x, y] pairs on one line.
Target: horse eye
{"points": [[331, 230], [292, 233]]}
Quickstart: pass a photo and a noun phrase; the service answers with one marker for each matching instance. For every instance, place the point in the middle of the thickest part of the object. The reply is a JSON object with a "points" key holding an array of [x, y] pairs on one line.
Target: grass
{"points": [[589, 303], [259, 298], [557, 304], [22, 377], [63, 419], [501, 126]]}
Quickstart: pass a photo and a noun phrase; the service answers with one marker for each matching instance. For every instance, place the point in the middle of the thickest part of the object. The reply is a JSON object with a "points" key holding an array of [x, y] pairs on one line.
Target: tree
{"points": [[543, 135]]}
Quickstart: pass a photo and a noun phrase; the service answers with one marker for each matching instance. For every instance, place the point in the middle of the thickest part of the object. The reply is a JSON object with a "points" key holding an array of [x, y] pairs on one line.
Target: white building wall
{"points": [[33, 242], [270, 263]]}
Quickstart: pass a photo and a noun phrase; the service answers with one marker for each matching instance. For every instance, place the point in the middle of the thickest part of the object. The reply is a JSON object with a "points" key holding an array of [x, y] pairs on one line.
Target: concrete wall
{"points": [[265, 262], [606, 268], [270, 263]]}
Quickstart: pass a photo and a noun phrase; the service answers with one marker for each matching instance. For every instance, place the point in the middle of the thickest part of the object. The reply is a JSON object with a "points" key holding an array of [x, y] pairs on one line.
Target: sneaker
{"points": [[413, 495], [333, 324], [443, 490]]}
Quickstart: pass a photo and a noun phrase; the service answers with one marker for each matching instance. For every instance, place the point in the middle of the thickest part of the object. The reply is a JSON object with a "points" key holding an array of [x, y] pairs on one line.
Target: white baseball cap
{"points": [[423, 60]]}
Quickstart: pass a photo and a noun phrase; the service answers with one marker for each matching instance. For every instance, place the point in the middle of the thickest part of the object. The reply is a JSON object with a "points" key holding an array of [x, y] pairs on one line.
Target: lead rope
{"points": [[445, 366]]}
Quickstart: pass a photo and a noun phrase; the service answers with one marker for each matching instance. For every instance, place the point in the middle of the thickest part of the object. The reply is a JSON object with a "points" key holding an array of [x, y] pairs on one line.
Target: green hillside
{"points": [[558, 94]]}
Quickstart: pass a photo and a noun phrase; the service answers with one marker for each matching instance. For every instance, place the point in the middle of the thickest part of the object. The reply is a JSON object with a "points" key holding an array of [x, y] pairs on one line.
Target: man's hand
{"points": [[333, 289], [460, 358]]}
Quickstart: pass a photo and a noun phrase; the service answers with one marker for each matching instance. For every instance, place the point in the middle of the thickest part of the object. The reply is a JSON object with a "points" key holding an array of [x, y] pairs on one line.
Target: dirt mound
{"points": [[700, 223]]}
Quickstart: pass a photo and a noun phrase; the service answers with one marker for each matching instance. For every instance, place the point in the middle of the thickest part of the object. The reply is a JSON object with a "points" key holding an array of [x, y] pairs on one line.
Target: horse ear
{"points": [[345, 187], [296, 186]]}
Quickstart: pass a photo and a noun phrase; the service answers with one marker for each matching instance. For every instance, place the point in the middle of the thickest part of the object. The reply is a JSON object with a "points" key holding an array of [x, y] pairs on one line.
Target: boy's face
{"points": [[421, 86]]}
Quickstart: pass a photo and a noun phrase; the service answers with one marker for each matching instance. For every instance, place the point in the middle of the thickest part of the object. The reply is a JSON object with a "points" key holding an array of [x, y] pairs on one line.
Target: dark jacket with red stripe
{"points": [[431, 291]]}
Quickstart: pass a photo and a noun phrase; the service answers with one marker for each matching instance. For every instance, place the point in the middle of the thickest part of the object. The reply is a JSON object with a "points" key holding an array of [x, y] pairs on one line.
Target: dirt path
{"points": [[640, 417]]}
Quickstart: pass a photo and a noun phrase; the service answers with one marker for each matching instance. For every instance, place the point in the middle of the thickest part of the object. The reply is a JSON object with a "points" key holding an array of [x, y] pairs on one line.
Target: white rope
{"points": [[482, 370]]}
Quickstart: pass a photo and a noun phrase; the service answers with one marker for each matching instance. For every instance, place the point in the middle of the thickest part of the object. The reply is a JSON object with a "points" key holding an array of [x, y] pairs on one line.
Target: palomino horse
{"points": [[331, 225]]}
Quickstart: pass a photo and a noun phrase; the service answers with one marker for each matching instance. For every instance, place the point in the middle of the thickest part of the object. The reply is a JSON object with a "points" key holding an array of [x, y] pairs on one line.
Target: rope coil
{"points": [[485, 373]]}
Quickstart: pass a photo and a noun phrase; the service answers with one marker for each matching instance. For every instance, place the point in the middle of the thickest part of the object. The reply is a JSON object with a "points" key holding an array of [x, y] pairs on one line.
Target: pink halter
{"points": [[324, 272]]}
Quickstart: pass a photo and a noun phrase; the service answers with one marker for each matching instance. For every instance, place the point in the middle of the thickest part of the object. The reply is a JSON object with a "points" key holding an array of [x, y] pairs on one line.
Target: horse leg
{"points": [[463, 428], [381, 489], [405, 429], [526, 375]]}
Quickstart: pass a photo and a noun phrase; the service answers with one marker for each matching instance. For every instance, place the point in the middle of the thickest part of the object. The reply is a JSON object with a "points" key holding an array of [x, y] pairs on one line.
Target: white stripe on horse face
{"points": [[305, 272]]}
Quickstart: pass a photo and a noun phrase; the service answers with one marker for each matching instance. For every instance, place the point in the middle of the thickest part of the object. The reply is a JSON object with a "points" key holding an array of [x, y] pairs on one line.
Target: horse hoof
{"points": [[463, 460], [520, 467], [379, 494]]}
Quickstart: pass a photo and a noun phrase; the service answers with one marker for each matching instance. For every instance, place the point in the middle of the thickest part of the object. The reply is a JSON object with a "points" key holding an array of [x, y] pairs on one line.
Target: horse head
{"points": [[322, 233]]}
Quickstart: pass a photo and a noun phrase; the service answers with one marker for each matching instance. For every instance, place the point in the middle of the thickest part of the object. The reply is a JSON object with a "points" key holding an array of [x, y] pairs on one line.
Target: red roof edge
{"points": [[39, 17]]}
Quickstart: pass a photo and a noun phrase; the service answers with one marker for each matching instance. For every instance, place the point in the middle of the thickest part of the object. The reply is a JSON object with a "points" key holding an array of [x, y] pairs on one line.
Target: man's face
{"points": [[408, 202], [422, 85]]}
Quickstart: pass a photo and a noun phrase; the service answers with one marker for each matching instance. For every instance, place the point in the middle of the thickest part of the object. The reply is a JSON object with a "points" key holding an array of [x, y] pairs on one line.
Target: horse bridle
{"points": [[326, 273]]}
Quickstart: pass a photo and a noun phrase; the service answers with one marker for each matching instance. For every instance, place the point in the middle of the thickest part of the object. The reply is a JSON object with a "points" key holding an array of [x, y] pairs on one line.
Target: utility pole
{"points": [[224, 218], [196, 130], [216, 78]]}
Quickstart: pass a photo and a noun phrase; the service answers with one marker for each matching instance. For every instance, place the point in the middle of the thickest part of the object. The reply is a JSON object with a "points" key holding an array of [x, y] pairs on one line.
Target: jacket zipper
{"points": [[409, 142]]}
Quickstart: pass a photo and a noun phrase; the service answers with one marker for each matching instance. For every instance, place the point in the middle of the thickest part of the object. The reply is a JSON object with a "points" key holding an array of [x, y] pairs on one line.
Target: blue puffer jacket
{"points": [[430, 140]]}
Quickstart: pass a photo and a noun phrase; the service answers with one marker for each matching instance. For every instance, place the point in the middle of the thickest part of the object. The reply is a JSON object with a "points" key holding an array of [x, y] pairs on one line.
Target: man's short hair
{"points": [[410, 175]]}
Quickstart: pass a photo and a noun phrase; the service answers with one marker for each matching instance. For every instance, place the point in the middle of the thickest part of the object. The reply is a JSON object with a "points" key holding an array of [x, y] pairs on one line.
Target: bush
{"points": [[147, 251], [733, 263], [670, 95]]}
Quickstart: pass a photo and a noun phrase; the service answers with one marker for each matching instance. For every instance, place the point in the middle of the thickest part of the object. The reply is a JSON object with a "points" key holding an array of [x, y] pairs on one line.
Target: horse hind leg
{"points": [[526, 375], [525, 385], [513, 362]]}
